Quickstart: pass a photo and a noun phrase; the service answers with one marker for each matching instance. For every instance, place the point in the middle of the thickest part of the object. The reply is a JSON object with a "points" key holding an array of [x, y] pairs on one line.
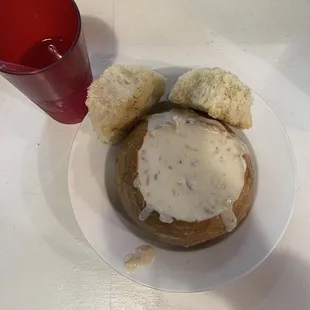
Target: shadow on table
{"points": [[281, 282], [101, 43]]}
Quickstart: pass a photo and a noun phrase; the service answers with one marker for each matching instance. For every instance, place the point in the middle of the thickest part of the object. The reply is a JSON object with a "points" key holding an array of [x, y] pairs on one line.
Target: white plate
{"points": [[112, 236]]}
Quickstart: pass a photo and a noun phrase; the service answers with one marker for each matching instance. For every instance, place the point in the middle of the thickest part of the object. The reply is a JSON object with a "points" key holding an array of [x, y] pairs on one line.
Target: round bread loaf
{"points": [[178, 232]]}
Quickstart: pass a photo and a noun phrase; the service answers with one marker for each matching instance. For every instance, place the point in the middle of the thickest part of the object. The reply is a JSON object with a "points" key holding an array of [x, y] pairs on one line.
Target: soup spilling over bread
{"points": [[200, 164]]}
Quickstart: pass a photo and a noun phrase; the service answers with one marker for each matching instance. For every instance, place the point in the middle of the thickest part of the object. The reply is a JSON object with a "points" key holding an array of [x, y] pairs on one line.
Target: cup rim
{"points": [[78, 33]]}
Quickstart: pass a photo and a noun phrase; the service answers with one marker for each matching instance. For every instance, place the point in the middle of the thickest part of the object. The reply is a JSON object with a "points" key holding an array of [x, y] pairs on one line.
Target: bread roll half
{"points": [[120, 97], [217, 92]]}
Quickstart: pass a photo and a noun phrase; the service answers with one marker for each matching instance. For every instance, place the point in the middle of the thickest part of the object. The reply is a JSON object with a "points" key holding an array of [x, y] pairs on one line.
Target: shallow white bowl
{"points": [[110, 233]]}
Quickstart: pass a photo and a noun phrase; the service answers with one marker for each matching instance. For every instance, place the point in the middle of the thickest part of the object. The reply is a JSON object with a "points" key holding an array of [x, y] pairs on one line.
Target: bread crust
{"points": [[178, 233]]}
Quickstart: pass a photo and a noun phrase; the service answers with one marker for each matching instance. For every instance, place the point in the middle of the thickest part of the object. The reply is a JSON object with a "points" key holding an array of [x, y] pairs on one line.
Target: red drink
{"points": [[40, 56], [55, 47]]}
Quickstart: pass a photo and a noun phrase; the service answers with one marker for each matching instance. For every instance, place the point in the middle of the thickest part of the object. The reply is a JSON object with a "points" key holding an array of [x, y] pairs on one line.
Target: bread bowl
{"points": [[195, 218]]}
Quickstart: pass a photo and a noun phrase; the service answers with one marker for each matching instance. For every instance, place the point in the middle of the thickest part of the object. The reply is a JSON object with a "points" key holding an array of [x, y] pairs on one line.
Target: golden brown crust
{"points": [[178, 233]]}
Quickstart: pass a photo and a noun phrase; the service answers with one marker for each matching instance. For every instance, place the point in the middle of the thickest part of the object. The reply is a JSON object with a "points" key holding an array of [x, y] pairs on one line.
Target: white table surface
{"points": [[45, 262]]}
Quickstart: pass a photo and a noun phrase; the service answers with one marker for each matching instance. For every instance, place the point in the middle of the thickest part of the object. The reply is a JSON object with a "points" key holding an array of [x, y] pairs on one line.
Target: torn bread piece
{"points": [[120, 98], [218, 92]]}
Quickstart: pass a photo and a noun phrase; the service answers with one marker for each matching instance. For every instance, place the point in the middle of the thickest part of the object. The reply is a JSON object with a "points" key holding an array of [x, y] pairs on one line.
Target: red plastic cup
{"points": [[46, 36]]}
